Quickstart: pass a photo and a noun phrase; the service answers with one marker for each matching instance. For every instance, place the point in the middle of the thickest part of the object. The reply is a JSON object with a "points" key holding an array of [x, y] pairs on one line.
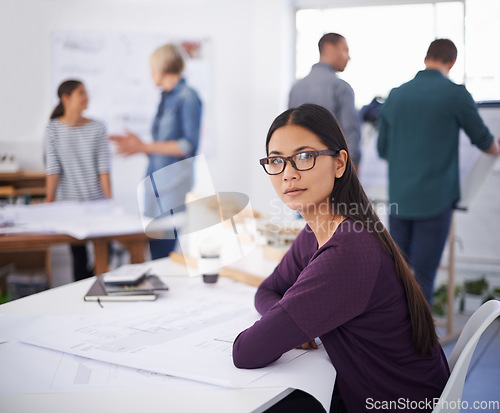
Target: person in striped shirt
{"points": [[77, 159]]}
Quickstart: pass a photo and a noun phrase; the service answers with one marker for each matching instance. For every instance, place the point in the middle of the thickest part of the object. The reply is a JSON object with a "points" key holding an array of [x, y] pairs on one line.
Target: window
{"points": [[387, 43], [482, 60]]}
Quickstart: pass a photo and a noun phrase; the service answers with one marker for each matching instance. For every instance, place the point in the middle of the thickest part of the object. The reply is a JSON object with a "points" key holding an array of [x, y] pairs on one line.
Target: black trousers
{"points": [[80, 262], [302, 402]]}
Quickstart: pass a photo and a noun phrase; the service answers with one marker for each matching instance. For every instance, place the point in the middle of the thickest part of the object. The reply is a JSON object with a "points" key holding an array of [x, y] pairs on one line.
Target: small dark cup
{"points": [[210, 277]]}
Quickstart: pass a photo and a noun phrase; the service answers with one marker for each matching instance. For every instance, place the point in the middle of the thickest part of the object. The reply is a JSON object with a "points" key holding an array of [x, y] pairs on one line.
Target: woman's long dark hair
{"points": [[349, 199], [65, 88]]}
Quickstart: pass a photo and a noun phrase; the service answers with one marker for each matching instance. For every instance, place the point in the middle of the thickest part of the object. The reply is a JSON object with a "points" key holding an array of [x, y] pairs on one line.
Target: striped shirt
{"points": [[79, 154]]}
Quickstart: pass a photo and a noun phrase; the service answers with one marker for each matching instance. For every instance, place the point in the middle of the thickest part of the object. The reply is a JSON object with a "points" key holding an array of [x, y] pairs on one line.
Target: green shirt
{"points": [[418, 135]]}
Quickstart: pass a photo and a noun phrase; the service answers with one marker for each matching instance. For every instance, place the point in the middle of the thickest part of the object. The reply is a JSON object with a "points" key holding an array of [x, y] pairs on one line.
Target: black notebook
{"points": [[145, 290]]}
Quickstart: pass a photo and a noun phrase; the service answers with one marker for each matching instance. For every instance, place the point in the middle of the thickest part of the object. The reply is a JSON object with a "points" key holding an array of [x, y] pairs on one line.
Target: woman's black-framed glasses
{"points": [[301, 161]]}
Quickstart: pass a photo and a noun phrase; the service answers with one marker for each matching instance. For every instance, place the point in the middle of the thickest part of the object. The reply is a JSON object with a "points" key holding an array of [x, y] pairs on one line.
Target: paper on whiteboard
{"points": [[475, 165]]}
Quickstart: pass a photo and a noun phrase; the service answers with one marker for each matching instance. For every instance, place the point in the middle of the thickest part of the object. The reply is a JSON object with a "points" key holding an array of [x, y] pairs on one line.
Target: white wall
{"points": [[252, 72], [253, 52]]}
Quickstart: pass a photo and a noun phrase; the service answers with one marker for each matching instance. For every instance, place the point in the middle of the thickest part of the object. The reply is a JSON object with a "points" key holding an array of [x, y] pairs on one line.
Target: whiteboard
{"points": [[116, 72], [474, 165], [115, 69]]}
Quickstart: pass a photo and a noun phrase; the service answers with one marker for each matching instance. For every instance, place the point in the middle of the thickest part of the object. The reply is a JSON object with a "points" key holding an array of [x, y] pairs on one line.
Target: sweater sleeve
{"points": [[332, 289], [336, 285], [270, 292], [263, 343], [286, 273]]}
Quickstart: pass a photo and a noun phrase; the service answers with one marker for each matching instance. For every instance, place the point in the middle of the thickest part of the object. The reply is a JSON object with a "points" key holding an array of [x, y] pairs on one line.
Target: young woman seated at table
{"points": [[343, 279]]}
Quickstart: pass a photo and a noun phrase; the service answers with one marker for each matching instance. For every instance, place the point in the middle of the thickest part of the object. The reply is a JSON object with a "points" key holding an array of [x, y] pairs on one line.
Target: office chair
{"points": [[461, 356]]}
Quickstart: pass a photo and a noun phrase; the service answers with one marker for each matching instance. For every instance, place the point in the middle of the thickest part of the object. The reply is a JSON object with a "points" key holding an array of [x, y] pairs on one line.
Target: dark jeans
{"points": [[161, 247], [423, 241], [80, 262]]}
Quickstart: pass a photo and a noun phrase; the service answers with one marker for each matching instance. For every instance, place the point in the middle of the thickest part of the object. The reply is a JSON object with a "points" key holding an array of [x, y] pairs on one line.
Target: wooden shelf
{"points": [[29, 183]]}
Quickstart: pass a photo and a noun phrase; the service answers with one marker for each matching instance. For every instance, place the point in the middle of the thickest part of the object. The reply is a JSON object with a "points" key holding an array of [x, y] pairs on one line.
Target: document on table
{"points": [[313, 373], [193, 341], [33, 369], [188, 334], [160, 343], [79, 219], [30, 369]]}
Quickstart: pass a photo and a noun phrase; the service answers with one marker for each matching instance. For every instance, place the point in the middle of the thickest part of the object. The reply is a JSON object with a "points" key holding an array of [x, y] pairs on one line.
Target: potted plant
{"points": [[474, 294], [440, 300]]}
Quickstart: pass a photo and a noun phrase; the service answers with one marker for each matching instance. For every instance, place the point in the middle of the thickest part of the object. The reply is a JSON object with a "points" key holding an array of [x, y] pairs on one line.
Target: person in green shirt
{"points": [[419, 137]]}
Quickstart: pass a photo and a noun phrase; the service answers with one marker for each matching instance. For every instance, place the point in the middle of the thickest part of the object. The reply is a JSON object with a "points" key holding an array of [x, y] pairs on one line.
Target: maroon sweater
{"points": [[348, 294]]}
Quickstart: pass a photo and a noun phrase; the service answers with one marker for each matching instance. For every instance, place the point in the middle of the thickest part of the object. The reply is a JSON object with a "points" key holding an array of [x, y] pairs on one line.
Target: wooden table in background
{"points": [[19, 244]]}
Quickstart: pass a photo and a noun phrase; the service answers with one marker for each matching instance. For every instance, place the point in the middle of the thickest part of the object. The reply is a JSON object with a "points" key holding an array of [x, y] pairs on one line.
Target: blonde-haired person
{"points": [[77, 159], [175, 131], [167, 59]]}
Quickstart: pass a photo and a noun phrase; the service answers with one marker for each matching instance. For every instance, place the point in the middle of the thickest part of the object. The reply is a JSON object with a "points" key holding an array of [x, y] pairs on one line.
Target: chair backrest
{"points": [[461, 356]]}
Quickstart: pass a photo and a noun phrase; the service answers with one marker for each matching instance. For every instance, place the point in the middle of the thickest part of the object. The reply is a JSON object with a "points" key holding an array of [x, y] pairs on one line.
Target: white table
{"points": [[176, 395]]}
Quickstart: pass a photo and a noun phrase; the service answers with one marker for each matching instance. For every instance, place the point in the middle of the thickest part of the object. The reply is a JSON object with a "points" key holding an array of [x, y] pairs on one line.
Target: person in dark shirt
{"points": [[343, 280], [419, 128]]}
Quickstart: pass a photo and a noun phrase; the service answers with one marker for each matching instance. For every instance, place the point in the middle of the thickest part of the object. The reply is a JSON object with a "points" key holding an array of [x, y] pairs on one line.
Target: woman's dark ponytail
{"points": [[65, 88], [58, 111]]}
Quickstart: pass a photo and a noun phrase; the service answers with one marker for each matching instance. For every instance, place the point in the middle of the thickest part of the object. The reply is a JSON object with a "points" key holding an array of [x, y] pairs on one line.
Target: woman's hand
{"points": [[308, 345], [128, 144]]}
